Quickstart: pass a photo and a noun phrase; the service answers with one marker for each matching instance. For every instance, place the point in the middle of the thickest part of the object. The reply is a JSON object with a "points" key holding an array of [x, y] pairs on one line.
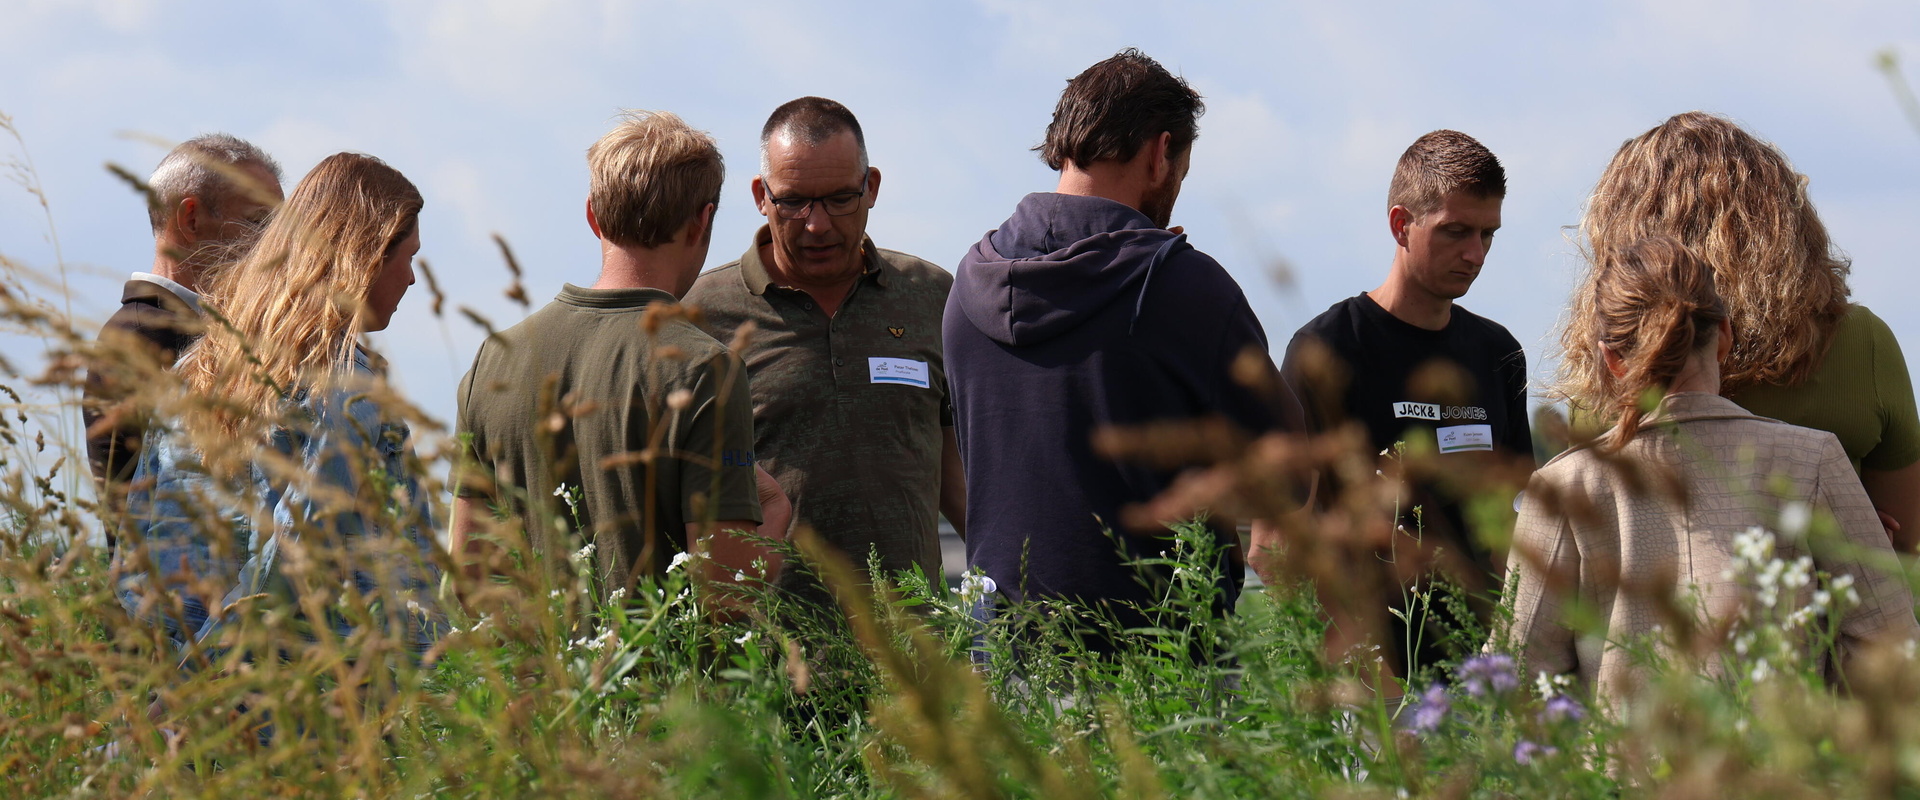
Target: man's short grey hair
{"points": [[811, 120], [203, 167]]}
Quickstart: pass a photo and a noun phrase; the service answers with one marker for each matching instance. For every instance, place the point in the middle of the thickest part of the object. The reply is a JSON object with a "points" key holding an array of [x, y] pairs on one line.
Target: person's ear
{"points": [[189, 220], [1159, 165], [1616, 366], [1723, 347], [1398, 219], [759, 186], [701, 226], [873, 185], [593, 222]]}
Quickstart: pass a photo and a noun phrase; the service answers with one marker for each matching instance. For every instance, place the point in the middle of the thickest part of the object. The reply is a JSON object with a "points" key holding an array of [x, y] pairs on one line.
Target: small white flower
{"points": [[554, 595], [560, 491], [744, 638], [973, 587], [1843, 586], [1754, 546], [679, 559], [739, 577], [1821, 600], [1761, 671], [1545, 684], [1794, 519], [617, 593], [585, 553], [1800, 574]]}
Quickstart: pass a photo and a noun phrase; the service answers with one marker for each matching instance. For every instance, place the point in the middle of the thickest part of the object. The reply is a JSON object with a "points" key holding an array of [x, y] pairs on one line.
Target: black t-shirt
{"points": [[1462, 388]]}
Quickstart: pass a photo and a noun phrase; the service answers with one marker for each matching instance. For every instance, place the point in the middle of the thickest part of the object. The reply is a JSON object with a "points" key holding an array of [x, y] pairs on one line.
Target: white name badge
{"points": [[901, 370], [1465, 437]]}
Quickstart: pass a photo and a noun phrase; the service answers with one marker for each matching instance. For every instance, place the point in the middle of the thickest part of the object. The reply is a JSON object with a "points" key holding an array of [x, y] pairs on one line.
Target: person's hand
{"points": [[1887, 521], [1177, 229], [775, 508]]}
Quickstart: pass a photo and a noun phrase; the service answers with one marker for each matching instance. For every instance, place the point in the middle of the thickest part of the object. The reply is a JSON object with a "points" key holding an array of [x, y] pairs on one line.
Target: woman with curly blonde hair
{"points": [[286, 474], [1802, 352]]}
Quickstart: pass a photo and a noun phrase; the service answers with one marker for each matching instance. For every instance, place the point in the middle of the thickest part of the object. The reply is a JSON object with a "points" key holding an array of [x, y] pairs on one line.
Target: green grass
{"points": [[553, 694]]}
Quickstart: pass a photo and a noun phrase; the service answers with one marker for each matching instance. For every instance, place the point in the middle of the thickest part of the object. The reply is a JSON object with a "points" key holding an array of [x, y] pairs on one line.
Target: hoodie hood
{"points": [[1059, 260]]}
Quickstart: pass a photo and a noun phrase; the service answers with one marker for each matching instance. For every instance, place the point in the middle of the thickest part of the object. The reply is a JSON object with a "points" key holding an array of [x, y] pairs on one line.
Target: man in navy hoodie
{"points": [[1082, 311]]}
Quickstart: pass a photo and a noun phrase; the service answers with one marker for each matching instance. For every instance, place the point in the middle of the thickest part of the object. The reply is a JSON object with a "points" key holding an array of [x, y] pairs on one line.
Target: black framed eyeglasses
{"points": [[838, 204]]}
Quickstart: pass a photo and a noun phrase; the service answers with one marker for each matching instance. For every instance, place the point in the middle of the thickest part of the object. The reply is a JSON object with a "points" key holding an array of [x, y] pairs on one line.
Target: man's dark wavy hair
{"points": [[1117, 105]]}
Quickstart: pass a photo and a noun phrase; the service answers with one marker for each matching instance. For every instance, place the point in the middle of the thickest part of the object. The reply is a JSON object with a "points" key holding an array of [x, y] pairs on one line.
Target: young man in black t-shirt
{"points": [[1414, 368]]}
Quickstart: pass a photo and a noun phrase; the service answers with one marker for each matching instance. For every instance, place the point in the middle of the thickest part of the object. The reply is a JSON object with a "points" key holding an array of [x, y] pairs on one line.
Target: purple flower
{"points": [[1431, 709], [1525, 752], [1561, 708], [1489, 674]]}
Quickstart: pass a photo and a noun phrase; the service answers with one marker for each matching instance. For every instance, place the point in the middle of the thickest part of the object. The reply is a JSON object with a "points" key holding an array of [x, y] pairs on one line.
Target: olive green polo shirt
{"points": [[580, 398], [848, 409], [1860, 393]]}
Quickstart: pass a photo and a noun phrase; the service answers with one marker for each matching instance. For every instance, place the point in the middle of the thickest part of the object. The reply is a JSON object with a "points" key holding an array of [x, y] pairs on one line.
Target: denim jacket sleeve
{"points": [[346, 504]]}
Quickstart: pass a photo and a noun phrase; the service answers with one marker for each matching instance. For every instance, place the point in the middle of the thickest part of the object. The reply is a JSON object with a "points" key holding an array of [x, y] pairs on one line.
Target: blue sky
{"points": [[489, 106]]}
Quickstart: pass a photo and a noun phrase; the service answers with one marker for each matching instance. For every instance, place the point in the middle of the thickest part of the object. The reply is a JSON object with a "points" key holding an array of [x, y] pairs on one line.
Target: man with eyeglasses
{"points": [[843, 351]]}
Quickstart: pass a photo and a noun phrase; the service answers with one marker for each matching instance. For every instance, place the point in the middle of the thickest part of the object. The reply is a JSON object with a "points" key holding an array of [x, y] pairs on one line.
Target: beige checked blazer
{"points": [[1631, 545]]}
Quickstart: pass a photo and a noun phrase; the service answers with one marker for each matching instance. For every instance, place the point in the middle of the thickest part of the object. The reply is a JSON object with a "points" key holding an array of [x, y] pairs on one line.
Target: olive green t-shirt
{"points": [[849, 408], [573, 398], [1860, 393]]}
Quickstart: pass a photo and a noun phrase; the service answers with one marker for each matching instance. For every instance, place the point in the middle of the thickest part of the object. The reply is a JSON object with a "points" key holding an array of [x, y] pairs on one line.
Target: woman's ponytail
{"points": [[1655, 306]]}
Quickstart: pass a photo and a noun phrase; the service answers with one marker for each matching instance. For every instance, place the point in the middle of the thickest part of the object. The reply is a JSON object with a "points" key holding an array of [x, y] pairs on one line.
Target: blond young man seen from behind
{"points": [[656, 444]]}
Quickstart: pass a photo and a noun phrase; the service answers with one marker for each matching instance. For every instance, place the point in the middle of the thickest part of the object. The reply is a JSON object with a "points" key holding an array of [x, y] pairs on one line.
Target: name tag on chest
{"points": [[899, 370], [1461, 438]]}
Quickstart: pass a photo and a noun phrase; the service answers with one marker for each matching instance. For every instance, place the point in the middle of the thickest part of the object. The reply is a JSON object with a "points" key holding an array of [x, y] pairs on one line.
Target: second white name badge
{"points": [[900, 370], [1465, 437]]}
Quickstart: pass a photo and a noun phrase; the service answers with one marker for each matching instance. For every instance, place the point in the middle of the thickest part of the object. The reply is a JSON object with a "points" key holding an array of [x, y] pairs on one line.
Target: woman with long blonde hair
{"points": [[283, 450], [1621, 525], [1802, 352]]}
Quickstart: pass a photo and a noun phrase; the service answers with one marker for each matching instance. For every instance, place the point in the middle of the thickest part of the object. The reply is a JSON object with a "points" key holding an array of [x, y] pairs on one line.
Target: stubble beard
{"points": [[1157, 203]]}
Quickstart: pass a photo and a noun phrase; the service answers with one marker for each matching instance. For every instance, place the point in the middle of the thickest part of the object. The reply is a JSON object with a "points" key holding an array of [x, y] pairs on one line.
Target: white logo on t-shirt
{"points": [[1426, 411]]}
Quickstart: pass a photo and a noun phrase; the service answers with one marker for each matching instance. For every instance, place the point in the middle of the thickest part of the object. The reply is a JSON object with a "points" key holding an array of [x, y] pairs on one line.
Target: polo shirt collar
{"points": [[635, 297], [754, 272]]}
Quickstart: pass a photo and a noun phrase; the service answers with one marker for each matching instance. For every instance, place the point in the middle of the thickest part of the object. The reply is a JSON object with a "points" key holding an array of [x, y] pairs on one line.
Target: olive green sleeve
{"points": [[715, 445], [472, 444], [1900, 423]]}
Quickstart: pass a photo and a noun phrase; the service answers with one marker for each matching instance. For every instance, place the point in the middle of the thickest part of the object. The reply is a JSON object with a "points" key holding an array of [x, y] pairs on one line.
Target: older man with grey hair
{"points": [[208, 196], [849, 384]]}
